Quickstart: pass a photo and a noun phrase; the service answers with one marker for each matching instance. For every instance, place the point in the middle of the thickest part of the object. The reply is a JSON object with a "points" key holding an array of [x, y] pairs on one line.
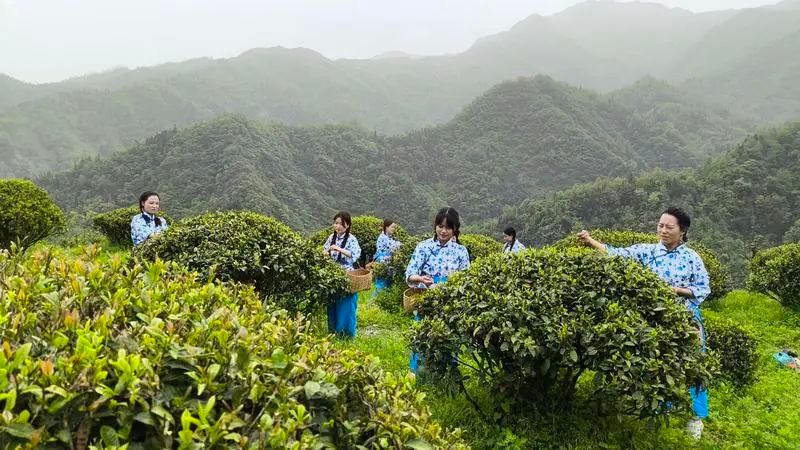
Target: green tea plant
{"points": [[248, 247], [717, 272], [96, 352], [529, 325], [27, 214], [735, 345], [777, 270]]}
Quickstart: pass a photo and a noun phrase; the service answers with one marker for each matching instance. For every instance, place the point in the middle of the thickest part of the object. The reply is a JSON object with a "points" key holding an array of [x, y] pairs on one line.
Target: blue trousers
{"points": [[416, 358], [342, 315], [699, 396]]}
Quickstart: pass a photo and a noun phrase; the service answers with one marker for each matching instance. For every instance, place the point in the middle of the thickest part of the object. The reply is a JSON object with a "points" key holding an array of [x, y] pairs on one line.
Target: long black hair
{"points": [[684, 221], [346, 221], [447, 217], [510, 231], [143, 198]]}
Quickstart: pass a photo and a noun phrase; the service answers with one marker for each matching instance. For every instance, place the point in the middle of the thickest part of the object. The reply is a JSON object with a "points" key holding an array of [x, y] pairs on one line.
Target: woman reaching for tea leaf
{"points": [[684, 271]]}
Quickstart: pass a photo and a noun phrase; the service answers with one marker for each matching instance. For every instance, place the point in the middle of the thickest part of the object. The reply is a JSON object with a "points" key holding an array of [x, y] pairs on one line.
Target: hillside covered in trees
{"points": [[743, 61], [520, 139], [743, 200]]}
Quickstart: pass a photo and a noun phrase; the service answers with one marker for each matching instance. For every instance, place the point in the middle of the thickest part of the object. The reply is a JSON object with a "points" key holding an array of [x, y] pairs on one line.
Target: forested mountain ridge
{"points": [[596, 45], [520, 139], [745, 199]]}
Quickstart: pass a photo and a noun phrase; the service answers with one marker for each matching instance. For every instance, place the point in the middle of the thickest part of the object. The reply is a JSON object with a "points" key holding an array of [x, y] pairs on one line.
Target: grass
{"points": [[763, 415]]}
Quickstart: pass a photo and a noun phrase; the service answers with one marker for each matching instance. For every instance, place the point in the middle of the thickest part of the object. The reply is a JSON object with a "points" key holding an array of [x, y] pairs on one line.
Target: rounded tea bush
{"points": [[718, 274], [736, 347], [777, 270], [116, 224], [27, 214], [105, 354], [529, 325], [366, 229], [251, 248]]}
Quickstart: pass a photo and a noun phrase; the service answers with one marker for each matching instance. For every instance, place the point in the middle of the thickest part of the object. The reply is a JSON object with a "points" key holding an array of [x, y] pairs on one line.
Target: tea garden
{"points": [[212, 336]]}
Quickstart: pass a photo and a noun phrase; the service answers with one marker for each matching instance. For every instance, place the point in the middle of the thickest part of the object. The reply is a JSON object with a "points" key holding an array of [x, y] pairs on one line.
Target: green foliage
{"points": [[391, 298], [366, 229], [116, 225], [717, 272], [555, 134], [793, 235], [777, 270], [244, 246], [740, 202], [479, 245], [528, 325], [148, 356], [27, 214], [736, 347]]}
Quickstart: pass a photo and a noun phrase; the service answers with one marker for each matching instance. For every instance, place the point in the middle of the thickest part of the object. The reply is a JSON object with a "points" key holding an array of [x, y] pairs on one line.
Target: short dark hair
{"points": [[510, 231], [684, 221]]}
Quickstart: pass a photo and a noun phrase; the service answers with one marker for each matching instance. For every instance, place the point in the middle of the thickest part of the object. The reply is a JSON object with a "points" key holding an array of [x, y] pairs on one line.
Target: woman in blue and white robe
{"points": [[435, 259], [384, 248], [343, 249], [147, 223], [684, 271]]}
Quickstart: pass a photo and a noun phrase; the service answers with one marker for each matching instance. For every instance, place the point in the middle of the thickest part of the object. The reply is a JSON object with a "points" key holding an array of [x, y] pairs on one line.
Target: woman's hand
{"points": [[682, 291], [424, 279], [587, 239], [334, 247]]}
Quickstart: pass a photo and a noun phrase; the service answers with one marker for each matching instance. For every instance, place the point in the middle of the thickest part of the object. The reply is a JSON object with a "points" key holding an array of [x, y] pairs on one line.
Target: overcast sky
{"points": [[49, 40]]}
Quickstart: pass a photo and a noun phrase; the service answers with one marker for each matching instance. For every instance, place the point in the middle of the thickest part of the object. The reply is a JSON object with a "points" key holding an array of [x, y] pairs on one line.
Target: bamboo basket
{"points": [[411, 297], [370, 265], [360, 280]]}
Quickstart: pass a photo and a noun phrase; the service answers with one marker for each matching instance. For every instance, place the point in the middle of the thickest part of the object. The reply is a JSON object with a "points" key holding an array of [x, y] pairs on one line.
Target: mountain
{"points": [[13, 92], [742, 200], [520, 139], [597, 45], [766, 85], [740, 38]]}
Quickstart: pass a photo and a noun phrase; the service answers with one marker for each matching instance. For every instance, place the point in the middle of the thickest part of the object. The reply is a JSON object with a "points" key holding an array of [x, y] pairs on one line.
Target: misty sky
{"points": [[49, 40]]}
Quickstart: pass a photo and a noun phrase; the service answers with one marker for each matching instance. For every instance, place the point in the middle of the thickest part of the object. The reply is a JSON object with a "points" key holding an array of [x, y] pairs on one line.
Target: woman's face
{"points": [[508, 238], [443, 232], [668, 231], [390, 229], [150, 206], [339, 226]]}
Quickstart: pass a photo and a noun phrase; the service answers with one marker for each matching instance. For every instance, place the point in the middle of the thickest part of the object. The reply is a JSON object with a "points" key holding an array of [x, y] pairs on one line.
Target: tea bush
{"points": [[251, 248], [528, 325], [736, 347], [116, 224], [479, 245], [366, 229], [148, 356], [777, 270], [27, 214], [717, 272]]}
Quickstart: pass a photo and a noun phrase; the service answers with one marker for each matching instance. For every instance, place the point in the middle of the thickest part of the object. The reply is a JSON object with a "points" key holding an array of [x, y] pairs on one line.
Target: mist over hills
{"points": [[595, 45]]}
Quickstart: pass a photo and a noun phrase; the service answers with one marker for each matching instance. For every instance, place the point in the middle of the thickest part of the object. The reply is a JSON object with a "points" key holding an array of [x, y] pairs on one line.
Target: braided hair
{"points": [[143, 198], [346, 221], [510, 231], [449, 218]]}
